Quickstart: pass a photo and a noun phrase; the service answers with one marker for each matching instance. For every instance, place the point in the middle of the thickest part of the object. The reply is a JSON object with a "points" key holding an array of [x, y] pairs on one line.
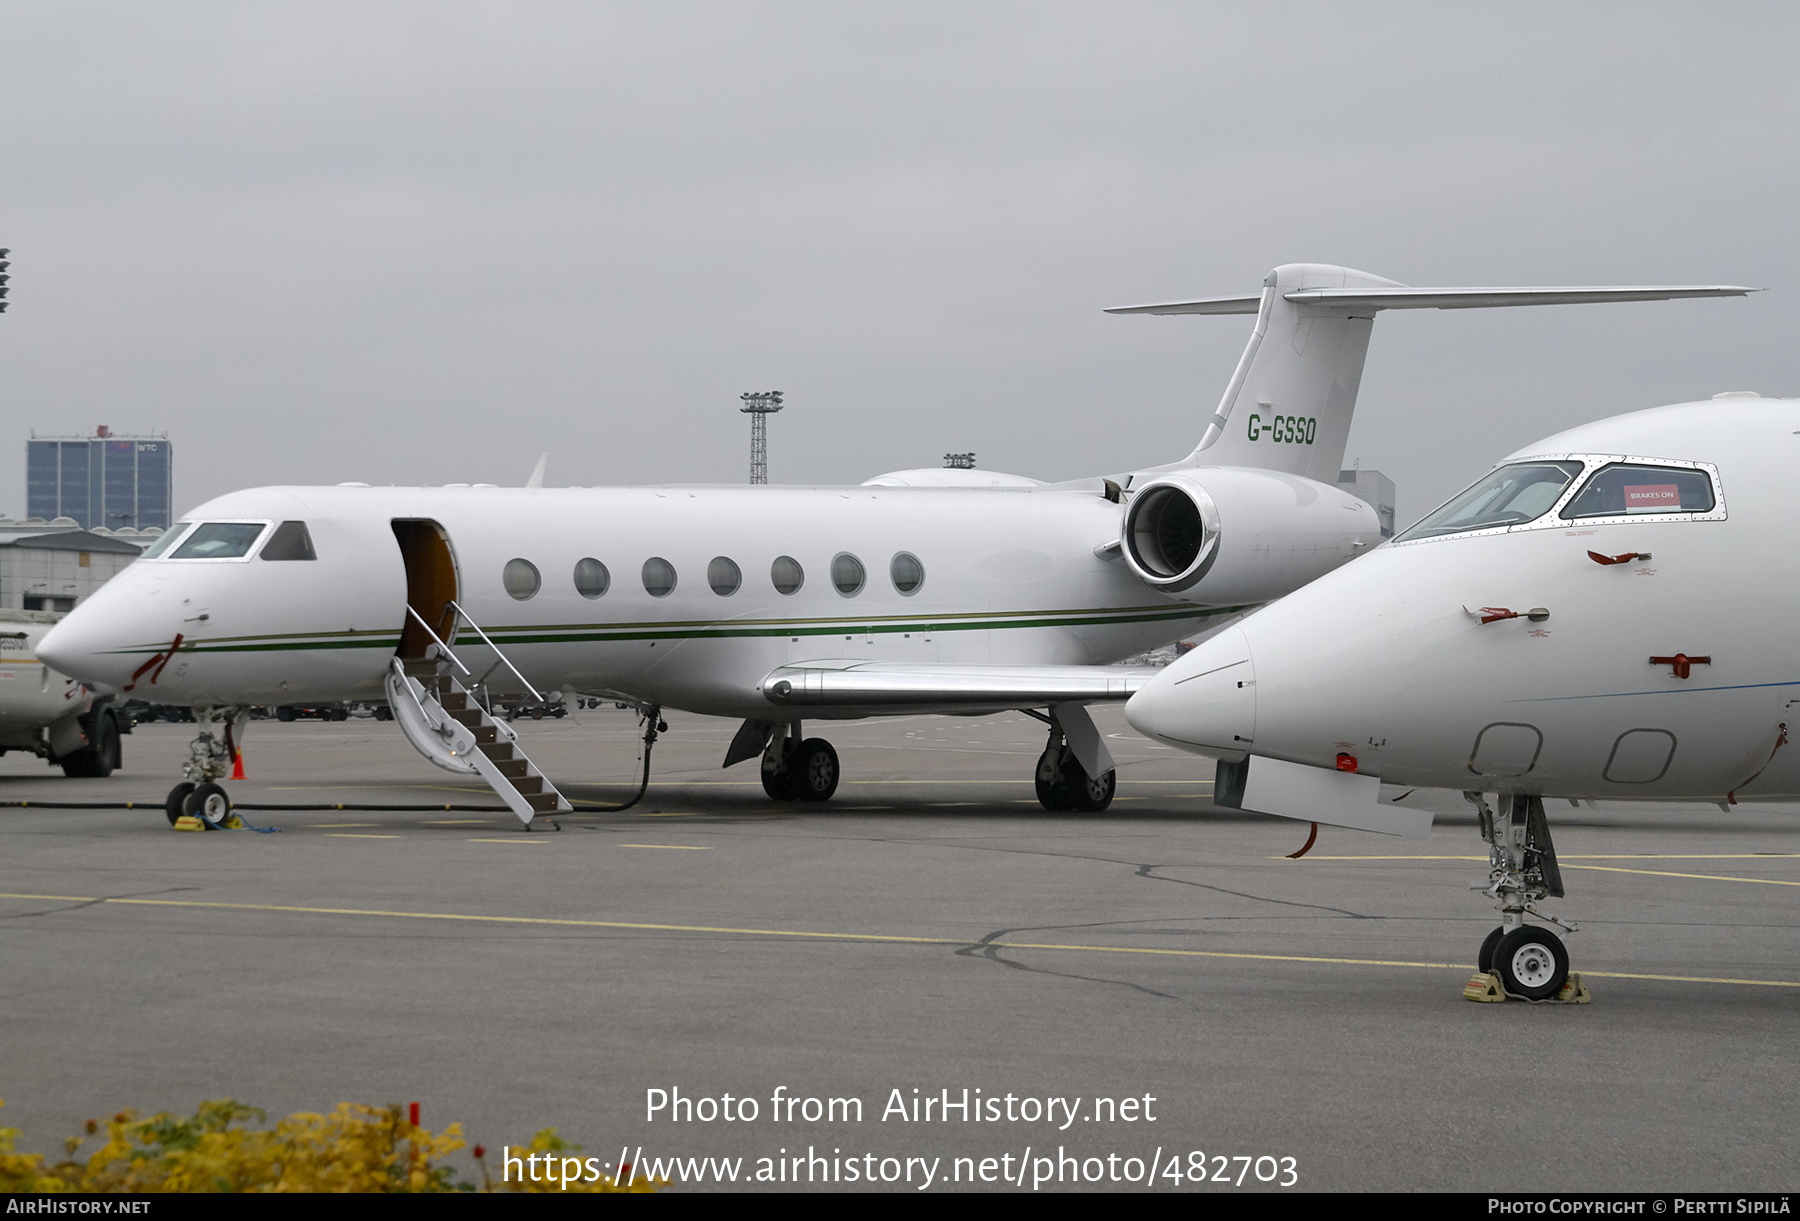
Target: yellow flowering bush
{"points": [[355, 1148]]}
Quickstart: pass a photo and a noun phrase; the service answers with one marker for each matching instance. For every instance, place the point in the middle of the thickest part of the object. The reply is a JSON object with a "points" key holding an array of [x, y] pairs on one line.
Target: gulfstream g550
{"points": [[919, 591]]}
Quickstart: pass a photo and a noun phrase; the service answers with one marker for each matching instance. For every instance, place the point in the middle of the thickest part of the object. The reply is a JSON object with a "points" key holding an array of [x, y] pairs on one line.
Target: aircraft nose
{"points": [[1205, 700], [91, 644]]}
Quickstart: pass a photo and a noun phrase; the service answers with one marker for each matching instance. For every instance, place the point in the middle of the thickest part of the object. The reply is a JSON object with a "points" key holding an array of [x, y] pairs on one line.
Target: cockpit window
{"points": [[220, 540], [1509, 496], [1623, 489], [166, 541], [291, 541]]}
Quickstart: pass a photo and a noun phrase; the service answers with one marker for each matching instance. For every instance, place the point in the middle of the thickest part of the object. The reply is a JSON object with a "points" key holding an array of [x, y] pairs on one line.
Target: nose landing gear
{"points": [[209, 760], [1527, 961]]}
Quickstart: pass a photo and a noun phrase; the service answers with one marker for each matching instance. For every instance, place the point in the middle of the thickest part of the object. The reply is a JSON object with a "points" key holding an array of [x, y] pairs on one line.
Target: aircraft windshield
{"points": [[1506, 497], [220, 540], [166, 541], [1622, 489]]}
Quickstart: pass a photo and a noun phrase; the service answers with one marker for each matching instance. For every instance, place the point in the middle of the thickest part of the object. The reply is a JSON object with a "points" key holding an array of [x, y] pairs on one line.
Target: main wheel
{"points": [[1484, 961], [813, 770], [209, 802], [1092, 793], [779, 785], [1052, 794], [174, 807], [1532, 963]]}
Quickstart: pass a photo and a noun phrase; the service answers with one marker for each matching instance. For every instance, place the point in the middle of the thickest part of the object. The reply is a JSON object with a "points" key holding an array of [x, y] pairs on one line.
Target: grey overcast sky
{"points": [[423, 243]]}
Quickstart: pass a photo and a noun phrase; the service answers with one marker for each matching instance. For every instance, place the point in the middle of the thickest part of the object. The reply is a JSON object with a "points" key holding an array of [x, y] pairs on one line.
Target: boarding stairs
{"points": [[443, 721]]}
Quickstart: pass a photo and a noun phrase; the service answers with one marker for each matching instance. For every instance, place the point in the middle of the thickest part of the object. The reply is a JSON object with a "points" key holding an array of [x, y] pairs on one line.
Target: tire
{"points": [[776, 784], [177, 799], [1053, 795], [813, 771], [1532, 963], [1484, 961], [284, 713], [96, 760], [1092, 793], [208, 802], [384, 713]]}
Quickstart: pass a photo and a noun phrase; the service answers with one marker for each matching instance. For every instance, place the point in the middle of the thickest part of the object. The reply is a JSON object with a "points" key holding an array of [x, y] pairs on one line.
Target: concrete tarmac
{"points": [[1187, 993]]}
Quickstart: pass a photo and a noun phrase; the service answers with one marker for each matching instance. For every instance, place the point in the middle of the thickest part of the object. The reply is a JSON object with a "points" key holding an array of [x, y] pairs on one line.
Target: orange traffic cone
{"points": [[237, 766]]}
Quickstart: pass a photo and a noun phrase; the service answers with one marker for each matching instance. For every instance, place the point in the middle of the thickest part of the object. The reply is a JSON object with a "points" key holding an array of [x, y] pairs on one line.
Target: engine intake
{"points": [[1171, 534]]}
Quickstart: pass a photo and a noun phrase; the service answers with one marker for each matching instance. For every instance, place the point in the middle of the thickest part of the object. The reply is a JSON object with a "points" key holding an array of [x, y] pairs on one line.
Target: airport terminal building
{"points": [[101, 482]]}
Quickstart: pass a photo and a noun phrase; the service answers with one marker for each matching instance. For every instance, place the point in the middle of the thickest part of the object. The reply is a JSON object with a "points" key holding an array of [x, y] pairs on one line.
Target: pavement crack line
{"points": [[76, 903], [1148, 873], [987, 949]]}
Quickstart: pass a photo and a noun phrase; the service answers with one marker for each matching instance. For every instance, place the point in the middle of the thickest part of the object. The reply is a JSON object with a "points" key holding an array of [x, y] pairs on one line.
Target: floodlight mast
{"points": [[759, 407]]}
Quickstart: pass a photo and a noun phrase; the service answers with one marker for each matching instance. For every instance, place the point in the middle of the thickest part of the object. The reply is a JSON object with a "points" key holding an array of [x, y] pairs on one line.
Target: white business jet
{"points": [[921, 591], [1601, 616]]}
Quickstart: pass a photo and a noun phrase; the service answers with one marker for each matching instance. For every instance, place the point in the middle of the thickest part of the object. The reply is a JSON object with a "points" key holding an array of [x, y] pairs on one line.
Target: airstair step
{"points": [[420, 667], [496, 750], [541, 803], [472, 717], [529, 786], [453, 701]]}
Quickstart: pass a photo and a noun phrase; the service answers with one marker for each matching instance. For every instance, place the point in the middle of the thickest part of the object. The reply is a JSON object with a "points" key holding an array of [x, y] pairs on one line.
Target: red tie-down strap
{"points": [[158, 661]]}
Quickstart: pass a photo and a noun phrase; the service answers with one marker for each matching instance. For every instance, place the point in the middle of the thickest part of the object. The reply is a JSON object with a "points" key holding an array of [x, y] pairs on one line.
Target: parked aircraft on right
{"points": [[1607, 614]]}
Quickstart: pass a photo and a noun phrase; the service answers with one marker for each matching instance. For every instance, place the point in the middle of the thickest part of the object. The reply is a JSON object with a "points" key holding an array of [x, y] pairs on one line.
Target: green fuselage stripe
{"points": [[698, 630]]}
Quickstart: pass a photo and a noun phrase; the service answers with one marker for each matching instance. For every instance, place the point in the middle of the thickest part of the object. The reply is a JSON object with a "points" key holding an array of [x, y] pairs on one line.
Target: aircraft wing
{"points": [[889, 685]]}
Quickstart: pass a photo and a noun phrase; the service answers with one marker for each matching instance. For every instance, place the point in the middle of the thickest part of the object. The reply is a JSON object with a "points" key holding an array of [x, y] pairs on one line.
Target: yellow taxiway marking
{"points": [[670, 847], [888, 938], [458, 822], [508, 840], [356, 835], [1621, 856], [319, 826], [1703, 877]]}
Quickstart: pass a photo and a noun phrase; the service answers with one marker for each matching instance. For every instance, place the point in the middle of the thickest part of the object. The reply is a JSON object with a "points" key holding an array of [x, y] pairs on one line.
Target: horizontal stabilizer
{"points": [[1443, 298], [1492, 298], [1288, 404], [889, 684], [1211, 305]]}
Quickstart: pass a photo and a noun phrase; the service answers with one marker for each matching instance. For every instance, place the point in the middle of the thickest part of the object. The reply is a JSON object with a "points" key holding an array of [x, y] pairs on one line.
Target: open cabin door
{"points": [[430, 582]]}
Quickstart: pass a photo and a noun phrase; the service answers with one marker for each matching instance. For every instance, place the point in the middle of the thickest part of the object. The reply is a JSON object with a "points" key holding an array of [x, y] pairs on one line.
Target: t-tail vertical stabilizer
{"points": [[1289, 403]]}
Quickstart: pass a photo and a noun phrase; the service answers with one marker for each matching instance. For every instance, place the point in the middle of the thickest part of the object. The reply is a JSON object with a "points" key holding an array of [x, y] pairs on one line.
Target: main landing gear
{"points": [[1530, 961], [1063, 784], [209, 761], [798, 769]]}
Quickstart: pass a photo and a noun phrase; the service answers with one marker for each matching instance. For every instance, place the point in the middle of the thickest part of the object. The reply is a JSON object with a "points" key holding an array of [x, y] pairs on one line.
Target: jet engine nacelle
{"points": [[1238, 535]]}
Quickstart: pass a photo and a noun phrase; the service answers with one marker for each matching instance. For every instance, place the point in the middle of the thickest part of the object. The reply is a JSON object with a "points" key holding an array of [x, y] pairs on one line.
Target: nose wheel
{"points": [[209, 761], [1532, 963]]}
